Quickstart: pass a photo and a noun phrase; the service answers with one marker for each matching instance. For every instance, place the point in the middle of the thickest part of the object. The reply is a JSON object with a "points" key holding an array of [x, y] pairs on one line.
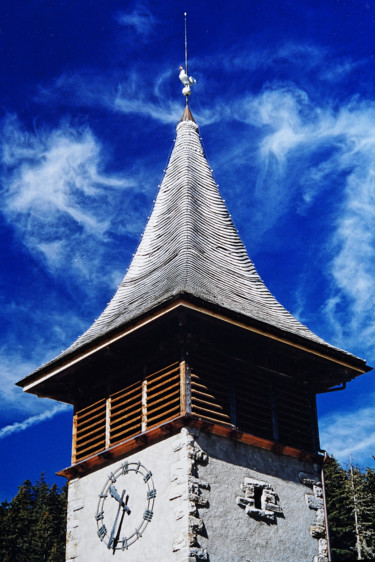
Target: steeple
{"points": [[195, 367], [187, 114], [190, 249]]}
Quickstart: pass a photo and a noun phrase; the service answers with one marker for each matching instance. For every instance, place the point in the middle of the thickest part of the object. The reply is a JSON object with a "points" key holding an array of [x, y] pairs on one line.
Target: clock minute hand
{"points": [[125, 506], [112, 541], [125, 509]]}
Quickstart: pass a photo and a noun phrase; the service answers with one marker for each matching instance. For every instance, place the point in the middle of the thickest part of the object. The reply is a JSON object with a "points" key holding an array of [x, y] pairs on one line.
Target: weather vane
{"points": [[187, 81]]}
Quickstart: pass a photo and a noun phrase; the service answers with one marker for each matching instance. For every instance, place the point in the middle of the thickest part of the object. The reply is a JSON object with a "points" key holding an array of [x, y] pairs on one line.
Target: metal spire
{"points": [[187, 81], [186, 51]]}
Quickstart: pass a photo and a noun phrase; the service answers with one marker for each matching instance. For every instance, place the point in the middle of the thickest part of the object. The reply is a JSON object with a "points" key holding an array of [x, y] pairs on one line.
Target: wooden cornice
{"points": [[327, 353], [171, 427]]}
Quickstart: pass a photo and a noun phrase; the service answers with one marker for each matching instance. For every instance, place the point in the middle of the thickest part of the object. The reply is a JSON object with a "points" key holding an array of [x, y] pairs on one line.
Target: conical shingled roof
{"points": [[190, 246]]}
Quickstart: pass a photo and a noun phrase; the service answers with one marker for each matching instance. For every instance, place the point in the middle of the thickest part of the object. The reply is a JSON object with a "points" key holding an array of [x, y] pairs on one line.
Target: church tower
{"points": [[195, 432]]}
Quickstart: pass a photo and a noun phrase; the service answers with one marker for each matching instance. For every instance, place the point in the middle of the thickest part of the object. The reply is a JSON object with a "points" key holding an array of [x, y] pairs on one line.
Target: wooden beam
{"points": [[89, 410], [183, 409], [162, 431], [74, 439], [108, 423], [152, 418], [271, 336], [275, 423], [173, 370], [36, 379], [144, 405], [185, 373]]}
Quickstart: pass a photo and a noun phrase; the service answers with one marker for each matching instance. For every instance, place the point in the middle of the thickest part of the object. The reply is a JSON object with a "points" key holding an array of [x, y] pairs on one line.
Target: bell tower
{"points": [[195, 432]]}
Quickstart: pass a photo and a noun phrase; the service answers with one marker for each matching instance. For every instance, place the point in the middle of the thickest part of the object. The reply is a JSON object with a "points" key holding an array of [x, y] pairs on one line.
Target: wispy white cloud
{"points": [[350, 433], [28, 345], [84, 87], [168, 113], [341, 69], [58, 196], [308, 149], [64, 207], [53, 173], [249, 58], [13, 368], [293, 130], [306, 146], [17, 427], [63, 201], [129, 93], [140, 20]]}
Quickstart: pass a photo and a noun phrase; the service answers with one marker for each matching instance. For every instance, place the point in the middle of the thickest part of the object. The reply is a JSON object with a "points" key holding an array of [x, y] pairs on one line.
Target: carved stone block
{"points": [[308, 479], [318, 492], [198, 554], [260, 513], [244, 502], [75, 505], [313, 502], [259, 500], [189, 493], [273, 507], [71, 550], [320, 520], [317, 531]]}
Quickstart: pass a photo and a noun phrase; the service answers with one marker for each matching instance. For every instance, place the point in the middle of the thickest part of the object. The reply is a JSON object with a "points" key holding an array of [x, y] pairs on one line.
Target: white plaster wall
{"points": [[156, 544], [234, 536], [198, 477]]}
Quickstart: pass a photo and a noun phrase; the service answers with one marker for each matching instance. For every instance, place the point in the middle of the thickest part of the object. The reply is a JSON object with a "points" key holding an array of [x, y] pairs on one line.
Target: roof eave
{"points": [[352, 365]]}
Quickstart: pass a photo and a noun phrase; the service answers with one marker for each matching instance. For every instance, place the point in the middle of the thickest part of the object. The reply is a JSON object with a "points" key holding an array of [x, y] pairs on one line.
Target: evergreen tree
{"points": [[370, 486], [340, 512], [351, 512], [363, 484], [32, 525]]}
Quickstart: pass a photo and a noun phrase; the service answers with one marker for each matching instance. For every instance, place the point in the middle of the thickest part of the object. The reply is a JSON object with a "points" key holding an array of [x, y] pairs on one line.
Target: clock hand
{"points": [[125, 509], [114, 493], [121, 501], [125, 506]]}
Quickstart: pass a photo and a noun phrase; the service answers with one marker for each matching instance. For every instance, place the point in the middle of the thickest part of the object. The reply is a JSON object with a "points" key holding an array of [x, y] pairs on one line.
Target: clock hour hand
{"points": [[114, 493]]}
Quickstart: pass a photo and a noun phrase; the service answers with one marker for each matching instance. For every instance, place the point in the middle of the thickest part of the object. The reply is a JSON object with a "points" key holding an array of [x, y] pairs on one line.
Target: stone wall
{"points": [[216, 500], [83, 542], [273, 523]]}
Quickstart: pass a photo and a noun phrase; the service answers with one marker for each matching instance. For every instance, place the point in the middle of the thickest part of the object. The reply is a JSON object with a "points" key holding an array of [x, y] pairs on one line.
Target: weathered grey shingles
{"points": [[190, 245]]}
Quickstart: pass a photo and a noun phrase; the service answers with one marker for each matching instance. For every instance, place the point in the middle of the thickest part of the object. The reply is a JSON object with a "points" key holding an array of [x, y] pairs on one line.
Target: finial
{"points": [[185, 79], [185, 20]]}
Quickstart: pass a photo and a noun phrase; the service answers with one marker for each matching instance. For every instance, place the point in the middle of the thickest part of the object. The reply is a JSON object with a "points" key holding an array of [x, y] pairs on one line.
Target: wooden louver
{"points": [[219, 391], [126, 413]]}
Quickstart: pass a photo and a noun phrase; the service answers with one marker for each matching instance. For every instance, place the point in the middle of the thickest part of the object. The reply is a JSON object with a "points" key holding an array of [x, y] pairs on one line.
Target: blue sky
{"points": [[89, 101]]}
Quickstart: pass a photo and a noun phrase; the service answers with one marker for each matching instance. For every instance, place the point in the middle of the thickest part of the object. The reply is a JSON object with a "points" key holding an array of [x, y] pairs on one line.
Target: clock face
{"points": [[125, 506]]}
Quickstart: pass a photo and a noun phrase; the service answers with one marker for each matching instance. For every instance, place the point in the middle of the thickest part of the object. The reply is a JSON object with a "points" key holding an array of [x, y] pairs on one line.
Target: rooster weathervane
{"points": [[187, 80]]}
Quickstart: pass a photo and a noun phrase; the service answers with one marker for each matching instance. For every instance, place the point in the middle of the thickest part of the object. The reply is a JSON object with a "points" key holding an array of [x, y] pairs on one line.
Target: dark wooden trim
{"points": [[144, 405], [356, 365], [185, 386], [160, 432], [233, 401], [275, 424], [314, 422], [74, 438], [107, 422]]}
